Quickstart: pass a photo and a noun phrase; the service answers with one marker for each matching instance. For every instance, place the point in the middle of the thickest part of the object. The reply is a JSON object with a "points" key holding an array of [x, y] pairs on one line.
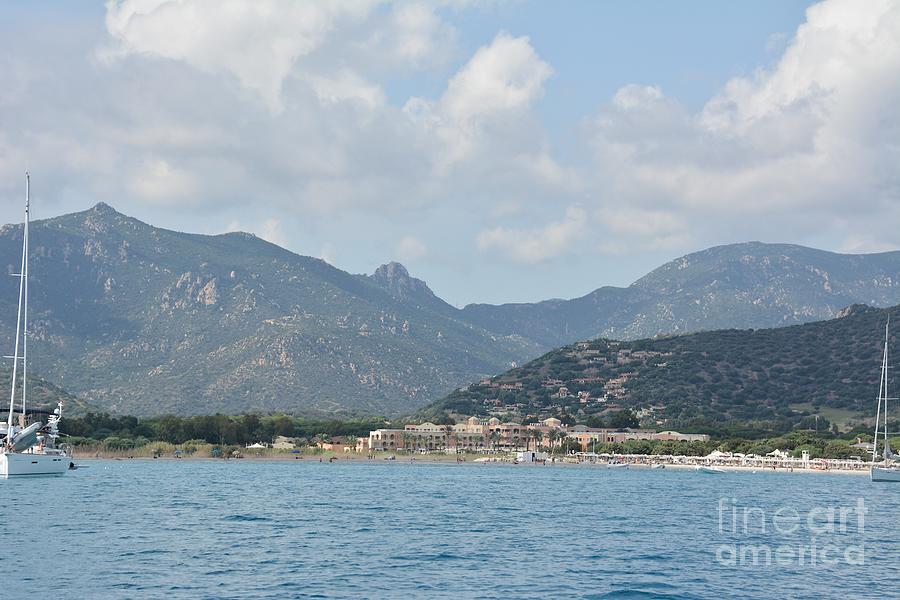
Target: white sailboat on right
{"points": [[888, 469]]}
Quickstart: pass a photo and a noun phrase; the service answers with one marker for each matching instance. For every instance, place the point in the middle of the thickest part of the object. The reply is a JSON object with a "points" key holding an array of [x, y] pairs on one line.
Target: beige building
{"points": [[587, 436], [476, 434]]}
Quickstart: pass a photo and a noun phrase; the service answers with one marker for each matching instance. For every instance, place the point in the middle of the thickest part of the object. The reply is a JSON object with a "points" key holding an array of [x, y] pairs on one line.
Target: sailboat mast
{"points": [[882, 394], [25, 285], [886, 395], [21, 275]]}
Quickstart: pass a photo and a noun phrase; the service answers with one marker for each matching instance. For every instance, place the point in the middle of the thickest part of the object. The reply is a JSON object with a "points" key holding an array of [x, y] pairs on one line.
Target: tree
{"points": [[538, 437], [169, 429], [624, 419], [448, 431], [444, 419], [595, 421], [552, 436], [250, 423], [284, 425], [569, 445]]}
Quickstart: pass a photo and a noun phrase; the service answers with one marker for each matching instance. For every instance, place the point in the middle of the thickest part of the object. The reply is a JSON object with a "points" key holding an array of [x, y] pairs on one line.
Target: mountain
{"points": [[394, 279], [143, 320], [740, 285], [136, 319], [832, 367]]}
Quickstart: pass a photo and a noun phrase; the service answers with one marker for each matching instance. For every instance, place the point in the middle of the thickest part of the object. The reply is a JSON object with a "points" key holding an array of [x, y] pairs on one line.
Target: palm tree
{"points": [[538, 437], [495, 438], [351, 441], [553, 435], [448, 431]]}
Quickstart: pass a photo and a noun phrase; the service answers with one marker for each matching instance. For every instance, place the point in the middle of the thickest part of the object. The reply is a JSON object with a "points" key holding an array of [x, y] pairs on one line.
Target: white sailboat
{"points": [[28, 449], [888, 469]]}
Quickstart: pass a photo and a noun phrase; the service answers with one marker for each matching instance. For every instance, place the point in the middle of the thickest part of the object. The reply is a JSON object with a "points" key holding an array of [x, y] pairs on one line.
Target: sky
{"points": [[504, 151]]}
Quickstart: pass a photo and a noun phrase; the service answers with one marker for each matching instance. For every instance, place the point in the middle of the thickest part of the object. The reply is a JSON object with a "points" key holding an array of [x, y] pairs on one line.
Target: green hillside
{"points": [[783, 374]]}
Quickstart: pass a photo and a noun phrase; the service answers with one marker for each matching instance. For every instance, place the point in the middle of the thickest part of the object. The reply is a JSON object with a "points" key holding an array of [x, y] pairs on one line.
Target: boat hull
{"points": [[17, 464], [711, 470], [886, 474]]}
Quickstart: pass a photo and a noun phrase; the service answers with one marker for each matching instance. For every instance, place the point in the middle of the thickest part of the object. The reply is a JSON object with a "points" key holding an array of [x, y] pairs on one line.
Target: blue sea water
{"points": [[301, 529]]}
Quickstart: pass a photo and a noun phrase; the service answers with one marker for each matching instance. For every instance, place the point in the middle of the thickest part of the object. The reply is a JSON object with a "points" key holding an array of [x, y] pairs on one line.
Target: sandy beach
{"points": [[468, 459]]}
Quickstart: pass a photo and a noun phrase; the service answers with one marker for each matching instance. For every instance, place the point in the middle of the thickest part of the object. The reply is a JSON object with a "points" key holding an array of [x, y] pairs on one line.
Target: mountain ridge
{"points": [[720, 295], [147, 320], [140, 319]]}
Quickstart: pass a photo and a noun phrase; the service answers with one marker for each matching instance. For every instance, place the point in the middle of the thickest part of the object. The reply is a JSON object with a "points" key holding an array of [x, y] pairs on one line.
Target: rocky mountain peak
{"points": [[102, 208], [101, 217], [394, 278], [391, 271]]}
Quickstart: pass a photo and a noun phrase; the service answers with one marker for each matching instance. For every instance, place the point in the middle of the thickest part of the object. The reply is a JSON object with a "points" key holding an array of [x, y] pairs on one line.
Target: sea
{"points": [[379, 529]]}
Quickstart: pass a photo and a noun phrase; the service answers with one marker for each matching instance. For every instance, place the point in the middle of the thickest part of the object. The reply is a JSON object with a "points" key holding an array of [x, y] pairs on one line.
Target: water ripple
{"points": [[206, 529]]}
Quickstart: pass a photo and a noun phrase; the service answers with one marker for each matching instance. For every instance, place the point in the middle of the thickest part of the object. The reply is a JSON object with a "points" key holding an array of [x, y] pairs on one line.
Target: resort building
{"points": [[680, 437], [586, 436], [386, 439], [476, 434]]}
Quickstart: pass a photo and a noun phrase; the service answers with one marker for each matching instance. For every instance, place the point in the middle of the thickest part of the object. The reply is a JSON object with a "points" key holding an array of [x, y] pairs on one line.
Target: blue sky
{"points": [[503, 151]]}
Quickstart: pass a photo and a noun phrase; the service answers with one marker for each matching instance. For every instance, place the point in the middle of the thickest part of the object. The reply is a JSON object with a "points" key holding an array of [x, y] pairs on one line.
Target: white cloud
{"points": [[257, 42], [239, 111], [157, 180], [346, 85], [856, 244], [642, 222], [489, 97], [208, 105], [411, 248], [790, 147], [505, 76], [531, 246], [272, 231], [412, 36], [328, 253]]}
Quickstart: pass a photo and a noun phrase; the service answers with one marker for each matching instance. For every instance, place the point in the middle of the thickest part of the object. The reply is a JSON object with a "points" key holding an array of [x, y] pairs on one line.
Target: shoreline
{"points": [[450, 459]]}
